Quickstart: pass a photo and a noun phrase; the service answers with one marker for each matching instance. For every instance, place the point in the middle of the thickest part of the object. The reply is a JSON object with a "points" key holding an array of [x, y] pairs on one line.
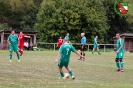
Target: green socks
{"points": [[10, 55], [122, 64], [92, 52], [18, 56], [99, 52], [118, 65], [62, 74], [71, 73]]}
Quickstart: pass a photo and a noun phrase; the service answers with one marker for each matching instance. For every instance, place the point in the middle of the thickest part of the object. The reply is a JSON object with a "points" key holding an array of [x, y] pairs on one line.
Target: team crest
{"points": [[123, 8]]}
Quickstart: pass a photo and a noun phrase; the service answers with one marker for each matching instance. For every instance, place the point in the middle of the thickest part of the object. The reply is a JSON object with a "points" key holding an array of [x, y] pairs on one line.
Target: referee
{"points": [[83, 42]]}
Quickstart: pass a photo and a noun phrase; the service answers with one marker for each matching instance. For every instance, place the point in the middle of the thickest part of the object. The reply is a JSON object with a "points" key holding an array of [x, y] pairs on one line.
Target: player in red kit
{"points": [[60, 42], [21, 37]]}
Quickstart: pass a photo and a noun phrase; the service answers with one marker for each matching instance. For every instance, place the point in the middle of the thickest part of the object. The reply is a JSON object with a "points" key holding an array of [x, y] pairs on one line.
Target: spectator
{"points": [[26, 45], [31, 46]]}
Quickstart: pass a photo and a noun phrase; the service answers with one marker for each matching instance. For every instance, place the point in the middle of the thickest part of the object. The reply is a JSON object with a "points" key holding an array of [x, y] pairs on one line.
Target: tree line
{"points": [[54, 18]]}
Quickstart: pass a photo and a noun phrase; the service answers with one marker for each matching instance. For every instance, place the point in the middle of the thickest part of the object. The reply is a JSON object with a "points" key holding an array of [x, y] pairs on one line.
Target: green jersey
{"points": [[68, 38], [13, 39], [95, 41], [65, 51], [120, 43]]}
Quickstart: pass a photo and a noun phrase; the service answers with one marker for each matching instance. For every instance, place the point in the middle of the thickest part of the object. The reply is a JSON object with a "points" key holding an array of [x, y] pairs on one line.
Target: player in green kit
{"points": [[96, 46], [67, 37], [13, 44], [119, 53], [64, 55]]}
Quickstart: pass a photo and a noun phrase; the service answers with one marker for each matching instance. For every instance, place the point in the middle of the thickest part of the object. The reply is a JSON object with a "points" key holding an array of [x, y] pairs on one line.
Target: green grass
{"points": [[38, 70]]}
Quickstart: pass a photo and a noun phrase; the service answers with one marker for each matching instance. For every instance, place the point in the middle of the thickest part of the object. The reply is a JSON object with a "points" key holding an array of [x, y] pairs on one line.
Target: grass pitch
{"points": [[38, 70]]}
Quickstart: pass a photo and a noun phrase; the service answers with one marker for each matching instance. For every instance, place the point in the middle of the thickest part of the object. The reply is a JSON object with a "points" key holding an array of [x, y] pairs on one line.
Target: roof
{"points": [[127, 34], [17, 31]]}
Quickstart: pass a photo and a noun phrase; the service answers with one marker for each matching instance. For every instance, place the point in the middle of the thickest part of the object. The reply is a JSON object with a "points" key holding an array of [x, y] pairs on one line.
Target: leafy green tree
{"points": [[29, 18], [56, 17]]}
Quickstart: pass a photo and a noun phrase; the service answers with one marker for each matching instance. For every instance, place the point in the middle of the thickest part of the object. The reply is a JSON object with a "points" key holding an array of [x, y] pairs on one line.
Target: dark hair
{"points": [[118, 33], [12, 30]]}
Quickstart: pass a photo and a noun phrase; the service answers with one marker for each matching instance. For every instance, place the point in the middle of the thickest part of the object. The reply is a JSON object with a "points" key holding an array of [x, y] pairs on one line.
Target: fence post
{"points": [[88, 47], [54, 46], [104, 47]]}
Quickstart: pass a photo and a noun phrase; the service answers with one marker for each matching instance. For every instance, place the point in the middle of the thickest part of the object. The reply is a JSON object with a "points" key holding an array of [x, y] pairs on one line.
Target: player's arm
{"points": [[120, 47], [79, 54], [58, 56], [27, 36]]}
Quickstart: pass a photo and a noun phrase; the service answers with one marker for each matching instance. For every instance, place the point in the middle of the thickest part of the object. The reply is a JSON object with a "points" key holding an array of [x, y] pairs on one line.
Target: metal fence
{"points": [[89, 47]]}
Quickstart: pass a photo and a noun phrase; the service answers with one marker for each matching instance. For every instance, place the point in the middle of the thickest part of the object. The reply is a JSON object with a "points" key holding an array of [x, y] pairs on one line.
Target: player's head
{"points": [[117, 35], [12, 32], [65, 40], [82, 34], [67, 34], [60, 37], [21, 32], [96, 36]]}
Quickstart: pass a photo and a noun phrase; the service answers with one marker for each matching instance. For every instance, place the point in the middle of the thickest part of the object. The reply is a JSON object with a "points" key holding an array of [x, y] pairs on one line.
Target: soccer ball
{"points": [[66, 75]]}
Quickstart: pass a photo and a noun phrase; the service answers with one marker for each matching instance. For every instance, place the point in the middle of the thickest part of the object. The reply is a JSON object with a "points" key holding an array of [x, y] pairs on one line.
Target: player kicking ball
{"points": [[21, 37], [119, 53], [13, 44], [96, 46], [63, 57]]}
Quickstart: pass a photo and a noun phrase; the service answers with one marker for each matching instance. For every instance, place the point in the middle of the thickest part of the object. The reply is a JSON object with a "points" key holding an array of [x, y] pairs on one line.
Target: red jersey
{"points": [[21, 40], [60, 41]]}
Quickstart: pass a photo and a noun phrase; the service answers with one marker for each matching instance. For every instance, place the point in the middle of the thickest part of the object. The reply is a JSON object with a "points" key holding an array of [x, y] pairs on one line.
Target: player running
{"points": [[21, 37], [64, 55], [96, 46], [83, 42], [13, 44], [119, 53], [67, 37], [60, 42]]}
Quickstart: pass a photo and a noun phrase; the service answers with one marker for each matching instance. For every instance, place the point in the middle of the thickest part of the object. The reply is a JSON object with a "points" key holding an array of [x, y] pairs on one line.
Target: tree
{"points": [[56, 17], [116, 23], [29, 18]]}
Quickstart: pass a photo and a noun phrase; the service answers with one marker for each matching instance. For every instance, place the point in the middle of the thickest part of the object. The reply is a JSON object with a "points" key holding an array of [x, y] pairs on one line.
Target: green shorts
{"points": [[95, 46], [13, 48], [62, 63], [120, 55]]}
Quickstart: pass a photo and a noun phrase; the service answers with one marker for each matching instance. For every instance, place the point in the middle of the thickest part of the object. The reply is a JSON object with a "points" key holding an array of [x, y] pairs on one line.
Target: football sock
{"points": [[122, 64], [118, 65], [92, 52], [71, 73], [18, 56], [21, 52], [62, 74], [98, 52], [10, 56]]}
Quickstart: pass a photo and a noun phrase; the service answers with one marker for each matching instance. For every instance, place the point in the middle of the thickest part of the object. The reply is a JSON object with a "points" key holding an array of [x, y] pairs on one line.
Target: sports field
{"points": [[38, 70]]}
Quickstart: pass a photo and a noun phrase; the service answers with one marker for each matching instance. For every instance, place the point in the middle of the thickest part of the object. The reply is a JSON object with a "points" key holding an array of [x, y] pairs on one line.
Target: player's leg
{"points": [[11, 51], [10, 55], [69, 70], [122, 65], [60, 65], [98, 50], [117, 63], [93, 49], [61, 72], [15, 48], [121, 61], [81, 52]]}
